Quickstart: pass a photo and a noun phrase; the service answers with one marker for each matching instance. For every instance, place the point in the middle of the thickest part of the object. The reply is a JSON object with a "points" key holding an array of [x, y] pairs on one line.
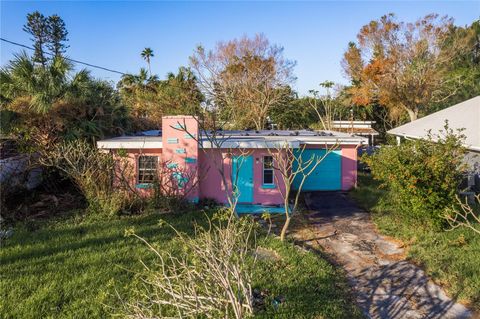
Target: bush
{"points": [[96, 175], [210, 277], [421, 176]]}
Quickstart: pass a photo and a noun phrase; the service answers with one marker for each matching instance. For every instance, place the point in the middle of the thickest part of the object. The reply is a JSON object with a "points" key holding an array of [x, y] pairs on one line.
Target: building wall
{"points": [[349, 167], [180, 148], [211, 185], [127, 167]]}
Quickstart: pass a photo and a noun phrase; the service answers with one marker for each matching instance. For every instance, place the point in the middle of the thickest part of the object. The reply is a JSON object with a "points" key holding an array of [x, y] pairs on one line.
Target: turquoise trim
{"points": [[172, 165], [180, 151], [195, 200], [190, 160], [172, 141], [181, 180], [189, 136], [144, 185], [261, 209], [178, 125], [267, 186]]}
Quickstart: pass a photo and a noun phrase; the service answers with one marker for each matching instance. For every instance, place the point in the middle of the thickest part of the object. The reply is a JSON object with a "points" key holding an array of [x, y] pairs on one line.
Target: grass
{"points": [[451, 258], [73, 268]]}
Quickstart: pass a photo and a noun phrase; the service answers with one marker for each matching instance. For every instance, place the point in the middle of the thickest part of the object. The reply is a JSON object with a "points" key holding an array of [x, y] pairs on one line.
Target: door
{"points": [[328, 174], [242, 177]]}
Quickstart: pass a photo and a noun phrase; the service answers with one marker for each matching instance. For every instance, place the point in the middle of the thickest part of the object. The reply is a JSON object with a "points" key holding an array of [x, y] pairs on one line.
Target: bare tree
{"points": [[468, 216], [244, 78], [212, 142], [293, 167], [326, 110], [215, 284]]}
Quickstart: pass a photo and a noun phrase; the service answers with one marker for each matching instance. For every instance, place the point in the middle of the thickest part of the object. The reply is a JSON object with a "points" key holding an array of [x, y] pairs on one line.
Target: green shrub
{"points": [[94, 173], [421, 176]]}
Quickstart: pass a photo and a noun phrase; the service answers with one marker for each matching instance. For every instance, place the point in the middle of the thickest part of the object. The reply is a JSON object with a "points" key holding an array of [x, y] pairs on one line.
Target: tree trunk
{"points": [[412, 113], [285, 228]]}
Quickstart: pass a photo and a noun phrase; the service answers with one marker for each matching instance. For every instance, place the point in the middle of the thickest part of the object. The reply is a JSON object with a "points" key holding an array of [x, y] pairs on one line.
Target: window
{"points": [[147, 169], [268, 170]]}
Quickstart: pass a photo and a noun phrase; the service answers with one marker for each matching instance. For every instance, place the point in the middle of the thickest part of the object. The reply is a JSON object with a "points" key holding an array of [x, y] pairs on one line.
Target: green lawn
{"points": [[73, 268], [451, 258]]}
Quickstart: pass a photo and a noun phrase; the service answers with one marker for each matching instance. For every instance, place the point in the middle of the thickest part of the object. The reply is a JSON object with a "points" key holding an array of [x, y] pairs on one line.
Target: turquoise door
{"points": [[242, 177], [328, 174]]}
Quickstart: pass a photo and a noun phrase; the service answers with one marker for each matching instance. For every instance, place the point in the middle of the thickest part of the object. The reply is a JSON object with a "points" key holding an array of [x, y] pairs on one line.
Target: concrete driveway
{"points": [[386, 285]]}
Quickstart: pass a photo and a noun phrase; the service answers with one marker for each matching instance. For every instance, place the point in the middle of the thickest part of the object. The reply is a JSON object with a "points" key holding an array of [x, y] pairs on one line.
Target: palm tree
{"points": [[147, 53], [22, 79]]}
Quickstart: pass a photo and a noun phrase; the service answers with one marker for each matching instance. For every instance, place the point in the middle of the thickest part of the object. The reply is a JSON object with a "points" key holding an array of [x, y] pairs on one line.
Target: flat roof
{"points": [[241, 139]]}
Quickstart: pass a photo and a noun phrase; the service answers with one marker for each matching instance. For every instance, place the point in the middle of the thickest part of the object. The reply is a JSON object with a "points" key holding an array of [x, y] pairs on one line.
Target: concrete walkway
{"points": [[385, 284]]}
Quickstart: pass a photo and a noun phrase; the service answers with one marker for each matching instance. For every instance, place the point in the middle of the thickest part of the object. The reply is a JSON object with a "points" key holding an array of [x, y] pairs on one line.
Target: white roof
{"points": [[243, 139], [465, 115], [131, 142]]}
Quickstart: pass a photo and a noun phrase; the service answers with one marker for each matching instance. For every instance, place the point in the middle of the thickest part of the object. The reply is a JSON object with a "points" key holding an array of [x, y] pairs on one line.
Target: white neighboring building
{"points": [[464, 115]]}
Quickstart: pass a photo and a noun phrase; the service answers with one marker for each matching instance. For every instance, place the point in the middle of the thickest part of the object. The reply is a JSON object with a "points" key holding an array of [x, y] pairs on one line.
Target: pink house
{"points": [[185, 162]]}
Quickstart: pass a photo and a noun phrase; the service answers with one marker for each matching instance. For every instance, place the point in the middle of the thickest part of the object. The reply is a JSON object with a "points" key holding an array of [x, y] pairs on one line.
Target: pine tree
{"points": [[57, 35], [37, 27]]}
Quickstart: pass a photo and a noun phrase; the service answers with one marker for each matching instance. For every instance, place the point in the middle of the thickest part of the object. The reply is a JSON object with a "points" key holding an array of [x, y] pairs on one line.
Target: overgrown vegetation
{"points": [[210, 277], [422, 177], [451, 258], [73, 267]]}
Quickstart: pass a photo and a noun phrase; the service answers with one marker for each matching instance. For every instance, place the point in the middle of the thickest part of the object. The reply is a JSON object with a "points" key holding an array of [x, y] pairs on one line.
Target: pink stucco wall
{"points": [[201, 165], [349, 167], [179, 134], [127, 167], [211, 185]]}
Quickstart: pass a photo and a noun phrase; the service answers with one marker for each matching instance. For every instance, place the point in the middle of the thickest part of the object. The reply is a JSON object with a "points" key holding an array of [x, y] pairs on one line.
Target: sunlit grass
{"points": [[73, 268]]}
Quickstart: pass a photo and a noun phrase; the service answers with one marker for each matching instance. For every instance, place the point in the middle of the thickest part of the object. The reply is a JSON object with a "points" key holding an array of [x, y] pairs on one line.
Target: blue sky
{"points": [[314, 34]]}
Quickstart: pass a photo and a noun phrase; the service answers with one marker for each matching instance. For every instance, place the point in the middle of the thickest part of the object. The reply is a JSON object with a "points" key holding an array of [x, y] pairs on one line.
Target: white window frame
{"points": [[267, 169], [139, 169]]}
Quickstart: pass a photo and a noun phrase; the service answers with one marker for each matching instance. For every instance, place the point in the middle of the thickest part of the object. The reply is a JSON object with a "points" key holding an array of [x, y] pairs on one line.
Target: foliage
{"points": [[243, 78], [53, 103], [37, 27], [464, 66], [422, 176], [405, 66], [48, 33], [450, 258], [293, 113], [147, 54], [75, 267], [57, 35], [101, 178], [149, 98], [210, 278]]}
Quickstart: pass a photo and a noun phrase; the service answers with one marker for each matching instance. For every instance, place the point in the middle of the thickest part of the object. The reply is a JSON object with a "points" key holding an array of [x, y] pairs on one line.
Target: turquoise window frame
{"points": [[272, 184]]}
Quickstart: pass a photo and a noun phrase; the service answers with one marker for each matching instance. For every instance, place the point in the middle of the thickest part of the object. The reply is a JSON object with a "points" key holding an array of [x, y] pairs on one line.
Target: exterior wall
{"points": [[349, 167], [180, 149], [127, 168], [200, 166], [211, 185]]}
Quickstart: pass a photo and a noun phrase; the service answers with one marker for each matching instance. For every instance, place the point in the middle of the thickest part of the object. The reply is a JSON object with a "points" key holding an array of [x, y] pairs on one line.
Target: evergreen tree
{"points": [[57, 35], [37, 27]]}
